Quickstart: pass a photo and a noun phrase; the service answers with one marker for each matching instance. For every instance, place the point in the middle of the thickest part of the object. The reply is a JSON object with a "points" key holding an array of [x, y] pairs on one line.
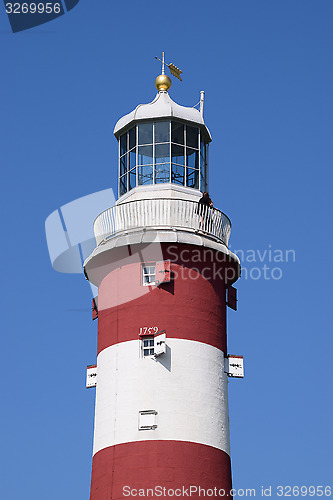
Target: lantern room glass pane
{"points": [[162, 153], [123, 144], [145, 155], [202, 166], [203, 185], [192, 137], [177, 154], [123, 185], [162, 131], [192, 178], [132, 159], [123, 165], [177, 132], [145, 133], [162, 173], [177, 174], [132, 138], [132, 179], [192, 158], [145, 174], [202, 148], [203, 163]]}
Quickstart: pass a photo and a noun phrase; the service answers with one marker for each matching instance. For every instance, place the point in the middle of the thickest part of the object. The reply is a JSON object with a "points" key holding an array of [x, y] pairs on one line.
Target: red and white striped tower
{"points": [[163, 270]]}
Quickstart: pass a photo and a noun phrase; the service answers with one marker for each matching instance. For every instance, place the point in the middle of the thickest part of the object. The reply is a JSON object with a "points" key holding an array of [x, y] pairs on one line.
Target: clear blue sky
{"points": [[266, 67]]}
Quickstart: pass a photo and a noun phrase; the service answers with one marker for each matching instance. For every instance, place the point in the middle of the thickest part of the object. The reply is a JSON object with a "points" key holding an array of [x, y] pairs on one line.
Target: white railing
{"points": [[163, 213]]}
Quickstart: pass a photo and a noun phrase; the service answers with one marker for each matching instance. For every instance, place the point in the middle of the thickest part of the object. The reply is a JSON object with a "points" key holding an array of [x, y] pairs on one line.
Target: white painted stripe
{"points": [[187, 386]]}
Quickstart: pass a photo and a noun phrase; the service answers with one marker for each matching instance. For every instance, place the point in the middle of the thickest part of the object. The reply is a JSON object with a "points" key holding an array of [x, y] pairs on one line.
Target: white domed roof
{"points": [[161, 107]]}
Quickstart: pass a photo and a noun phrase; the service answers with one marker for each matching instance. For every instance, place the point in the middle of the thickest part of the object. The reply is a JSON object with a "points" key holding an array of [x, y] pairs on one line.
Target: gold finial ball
{"points": [[162, 82]]}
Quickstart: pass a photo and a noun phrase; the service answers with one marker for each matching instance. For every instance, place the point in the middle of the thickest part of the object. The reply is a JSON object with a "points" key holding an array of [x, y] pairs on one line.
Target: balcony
{"points": [[162, 214]]}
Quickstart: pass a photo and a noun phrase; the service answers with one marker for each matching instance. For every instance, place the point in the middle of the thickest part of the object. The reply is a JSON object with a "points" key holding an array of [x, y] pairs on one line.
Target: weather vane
{"points": [[173, 69]]}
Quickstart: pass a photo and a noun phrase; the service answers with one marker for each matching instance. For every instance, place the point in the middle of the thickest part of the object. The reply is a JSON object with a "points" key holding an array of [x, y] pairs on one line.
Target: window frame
{"points": [[148, 264], [151, 347]]}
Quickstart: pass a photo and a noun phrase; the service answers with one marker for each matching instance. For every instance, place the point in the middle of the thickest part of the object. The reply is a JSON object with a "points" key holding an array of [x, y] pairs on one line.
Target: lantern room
{"points": [[163, 143]]}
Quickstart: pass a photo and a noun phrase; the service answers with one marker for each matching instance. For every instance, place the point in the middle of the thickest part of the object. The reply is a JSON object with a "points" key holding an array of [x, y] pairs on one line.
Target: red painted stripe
{"points": [[189, 307], [166, 464]]}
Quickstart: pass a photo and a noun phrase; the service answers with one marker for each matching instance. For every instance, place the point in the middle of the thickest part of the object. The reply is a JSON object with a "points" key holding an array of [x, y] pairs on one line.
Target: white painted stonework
{"points": [[186, 386]]}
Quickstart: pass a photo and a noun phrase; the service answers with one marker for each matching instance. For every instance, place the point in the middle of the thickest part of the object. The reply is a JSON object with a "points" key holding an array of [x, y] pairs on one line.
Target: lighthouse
{"points": [[164, 275]]}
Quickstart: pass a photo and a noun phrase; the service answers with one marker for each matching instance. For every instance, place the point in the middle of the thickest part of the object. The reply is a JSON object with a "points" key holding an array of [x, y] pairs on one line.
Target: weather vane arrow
{"points": [[172, 67]]}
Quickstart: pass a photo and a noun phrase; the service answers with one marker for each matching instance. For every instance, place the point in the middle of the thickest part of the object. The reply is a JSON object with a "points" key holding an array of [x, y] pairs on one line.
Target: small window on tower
{"points": [[148, 274], [148, 346]]}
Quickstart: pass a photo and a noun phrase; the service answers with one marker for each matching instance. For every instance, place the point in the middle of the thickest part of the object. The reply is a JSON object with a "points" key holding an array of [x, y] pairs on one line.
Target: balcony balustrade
{"points": [[162, 213]]}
